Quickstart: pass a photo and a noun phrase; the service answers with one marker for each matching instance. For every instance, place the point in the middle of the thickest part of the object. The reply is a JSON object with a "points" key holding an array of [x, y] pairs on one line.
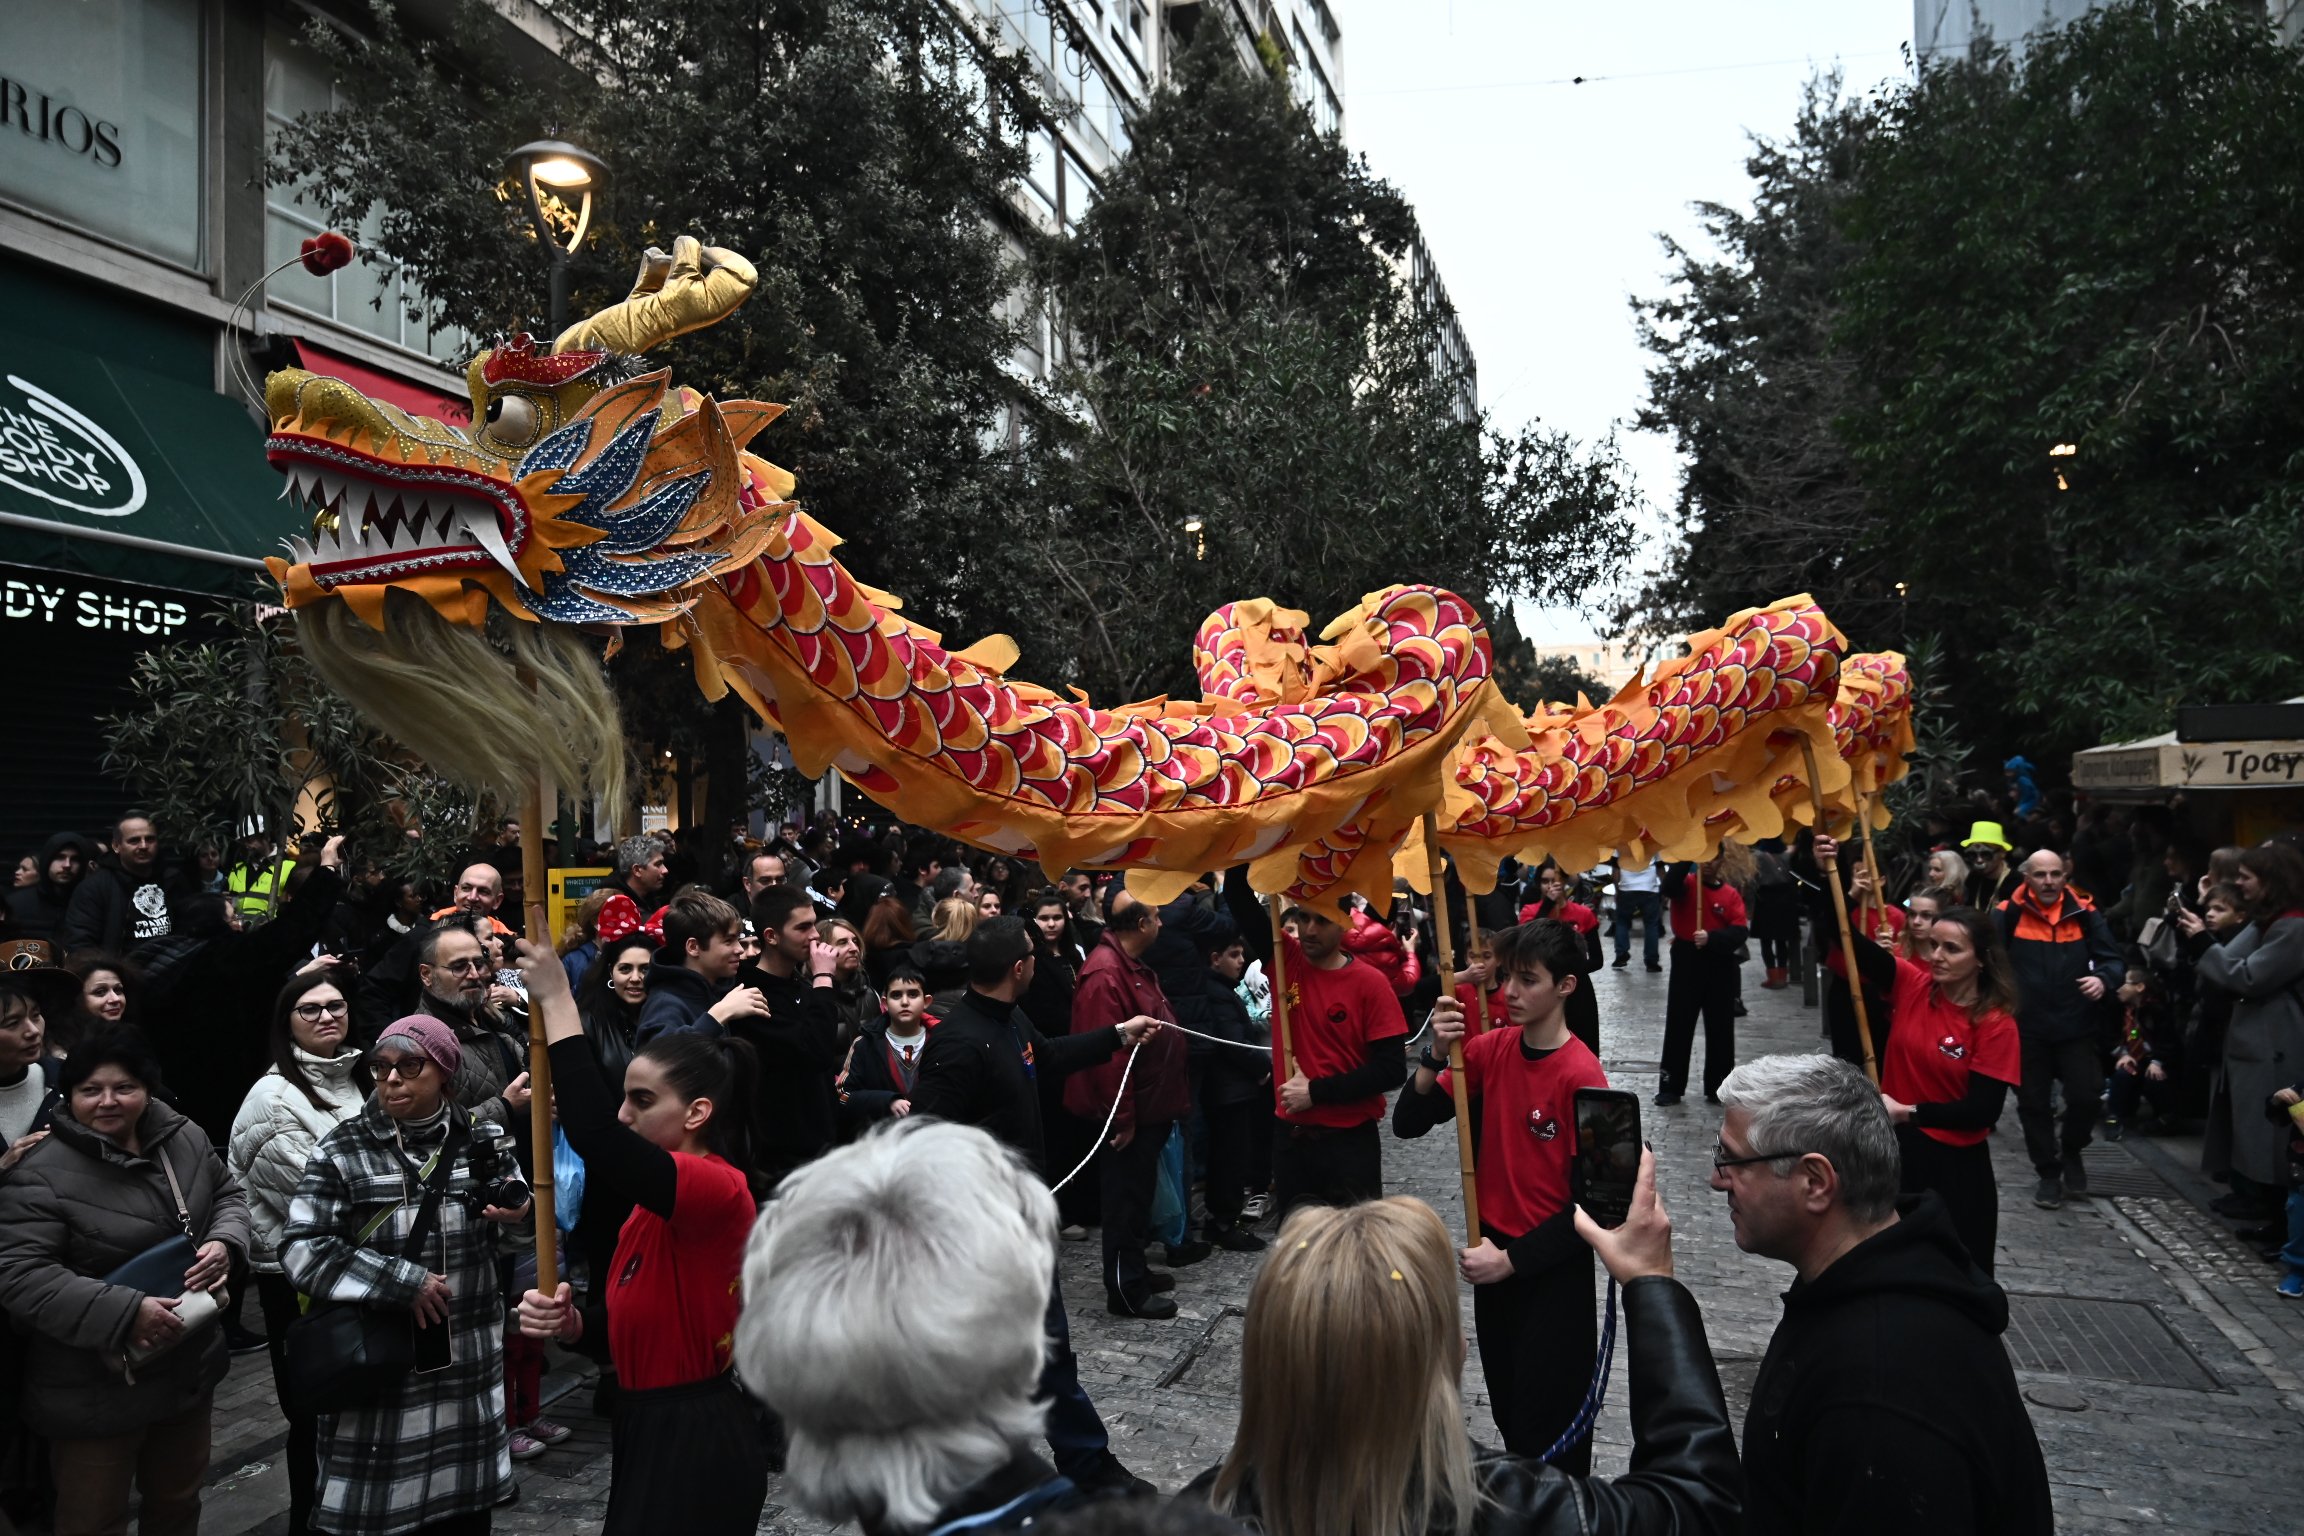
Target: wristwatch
{"points": [[1425, 1059]]}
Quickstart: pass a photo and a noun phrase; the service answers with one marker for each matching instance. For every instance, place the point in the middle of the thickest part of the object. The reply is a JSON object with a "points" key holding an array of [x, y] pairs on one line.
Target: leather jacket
{"points": [[1685, 1478]]}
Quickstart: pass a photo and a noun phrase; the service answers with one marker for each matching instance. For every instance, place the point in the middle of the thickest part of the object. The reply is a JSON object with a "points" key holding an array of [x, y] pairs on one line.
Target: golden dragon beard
{"points": [[454, 573]]}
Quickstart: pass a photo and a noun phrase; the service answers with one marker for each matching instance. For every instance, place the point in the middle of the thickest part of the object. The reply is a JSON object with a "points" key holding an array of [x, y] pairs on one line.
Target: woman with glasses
{"points": [[433, 1453], [316, 1082], [1949, 1054]]}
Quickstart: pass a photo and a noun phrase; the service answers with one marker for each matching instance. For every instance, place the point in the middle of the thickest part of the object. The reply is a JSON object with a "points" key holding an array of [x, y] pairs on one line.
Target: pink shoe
{"points": [[548, 1432], [526, 1449]]}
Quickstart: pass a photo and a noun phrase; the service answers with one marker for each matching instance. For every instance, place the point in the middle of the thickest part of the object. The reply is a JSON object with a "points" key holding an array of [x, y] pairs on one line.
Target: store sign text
{"points": [[36, 116], [38, 602], [51, 450]]}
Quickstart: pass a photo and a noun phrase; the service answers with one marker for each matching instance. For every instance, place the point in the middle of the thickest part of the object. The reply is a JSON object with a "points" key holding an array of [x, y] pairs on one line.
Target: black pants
{"points": [[698, 1448], [1701, 983], [1780, 953], [2131, 1089], [2079, 1066], [1077, 1439], [1233, 1132], [1314, 1165], [1962, 1178], [1129, 1175], [278, 1299], [1583, 1012], [1538, 1339]]}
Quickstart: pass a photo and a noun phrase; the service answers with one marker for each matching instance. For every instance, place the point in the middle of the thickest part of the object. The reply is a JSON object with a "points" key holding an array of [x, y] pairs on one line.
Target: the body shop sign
{"points": [[49, 448]]}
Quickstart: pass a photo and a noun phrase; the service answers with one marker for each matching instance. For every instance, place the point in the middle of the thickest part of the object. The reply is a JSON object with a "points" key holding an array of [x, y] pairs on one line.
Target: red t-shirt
{"points": [[1723, 908], [672, 1307], [1934, 1046], [1574, 913], [1527, 1125], [1332, 1017], [1478, 1021]]}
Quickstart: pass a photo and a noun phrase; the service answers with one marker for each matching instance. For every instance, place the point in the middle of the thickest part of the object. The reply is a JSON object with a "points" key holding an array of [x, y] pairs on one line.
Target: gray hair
{"points": [[895, 1294], [1821, 1104], [635, 851]]}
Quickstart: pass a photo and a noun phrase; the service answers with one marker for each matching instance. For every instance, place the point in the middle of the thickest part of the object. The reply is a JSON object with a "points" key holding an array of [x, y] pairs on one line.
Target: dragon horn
{"points": [[693, 287]]}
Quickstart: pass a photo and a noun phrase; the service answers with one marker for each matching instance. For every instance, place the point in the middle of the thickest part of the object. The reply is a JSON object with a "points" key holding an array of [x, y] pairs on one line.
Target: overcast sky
{"points": [[1542, 201]]}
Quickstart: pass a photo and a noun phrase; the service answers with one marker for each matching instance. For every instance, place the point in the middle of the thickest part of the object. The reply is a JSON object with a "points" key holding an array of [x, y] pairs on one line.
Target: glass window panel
{"points": [[283, 236]]}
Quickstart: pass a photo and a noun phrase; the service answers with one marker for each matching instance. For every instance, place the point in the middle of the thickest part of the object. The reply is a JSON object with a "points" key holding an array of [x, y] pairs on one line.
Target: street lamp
{"points": [[555, 170]]}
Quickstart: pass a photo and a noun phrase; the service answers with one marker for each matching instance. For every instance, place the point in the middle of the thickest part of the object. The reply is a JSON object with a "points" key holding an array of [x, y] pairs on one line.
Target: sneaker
{"points": [[1233, 1240], [1111, 1477], [1655, 965], [1181, 1254], [1257, 1208], [1666, 1099], [1074, 1233], [2075, 1179], [2291, 1286], [1741, 1010], [241, 1341], [548, 1432], [2050, 1195], [1152, 1305], [2113, 1132], [525, 1447], [1620, 962]]}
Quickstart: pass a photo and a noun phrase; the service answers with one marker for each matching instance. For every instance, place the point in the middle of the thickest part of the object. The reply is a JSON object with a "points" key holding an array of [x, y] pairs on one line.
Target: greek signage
{"points": [[2165, 764], [51, 449]]}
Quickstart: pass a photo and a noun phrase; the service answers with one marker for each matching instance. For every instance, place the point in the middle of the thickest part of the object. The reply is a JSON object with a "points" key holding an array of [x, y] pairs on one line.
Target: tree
{"points": [[2009, 356], [1252, 402]]}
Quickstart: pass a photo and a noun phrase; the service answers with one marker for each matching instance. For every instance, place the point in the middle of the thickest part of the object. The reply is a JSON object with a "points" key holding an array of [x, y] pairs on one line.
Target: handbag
{"points": [[347, 1354], [159, 1271], [2158, 938]]}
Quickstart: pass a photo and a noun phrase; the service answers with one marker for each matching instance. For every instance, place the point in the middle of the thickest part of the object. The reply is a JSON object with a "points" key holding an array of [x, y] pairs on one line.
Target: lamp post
{"points": [[551, 167]]}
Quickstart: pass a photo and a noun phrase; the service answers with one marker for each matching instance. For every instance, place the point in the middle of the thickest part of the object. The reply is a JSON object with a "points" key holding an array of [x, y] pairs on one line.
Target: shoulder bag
{"points": [[343, 1355], [159, 1271]]}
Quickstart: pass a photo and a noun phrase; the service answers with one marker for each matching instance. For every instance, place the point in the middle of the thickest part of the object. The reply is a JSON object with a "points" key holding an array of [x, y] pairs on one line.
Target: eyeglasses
{"points": [[313, 1013], [405, 1068], [473, 966], [1721, 1158]]}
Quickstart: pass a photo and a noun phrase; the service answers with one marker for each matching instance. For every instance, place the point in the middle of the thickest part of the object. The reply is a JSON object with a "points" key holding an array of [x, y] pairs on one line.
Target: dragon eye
{"points": [[512, 420]]}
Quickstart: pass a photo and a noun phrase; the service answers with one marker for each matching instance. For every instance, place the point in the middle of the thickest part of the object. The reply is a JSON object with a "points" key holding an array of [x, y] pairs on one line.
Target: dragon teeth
{"points": [[479, 525]]}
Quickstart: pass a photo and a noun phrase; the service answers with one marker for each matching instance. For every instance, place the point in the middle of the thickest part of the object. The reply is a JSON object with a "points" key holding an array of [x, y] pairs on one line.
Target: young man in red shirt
{"points": [[1531, 1274], [1703, 979], [1346, 1030]]}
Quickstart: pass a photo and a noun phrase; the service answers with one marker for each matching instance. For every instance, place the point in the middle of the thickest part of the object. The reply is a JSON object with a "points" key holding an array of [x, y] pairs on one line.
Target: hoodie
{"points": [[1886, 1402], [35, 911]]}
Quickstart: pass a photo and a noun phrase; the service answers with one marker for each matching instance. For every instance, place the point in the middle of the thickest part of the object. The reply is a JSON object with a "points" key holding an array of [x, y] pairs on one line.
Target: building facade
{"points": [[1941, 27]]}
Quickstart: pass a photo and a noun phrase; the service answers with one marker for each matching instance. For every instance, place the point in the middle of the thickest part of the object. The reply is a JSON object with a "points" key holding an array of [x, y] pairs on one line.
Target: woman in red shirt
{"points": [[1583, 1003], [1950, 1058], [685, 1435]]}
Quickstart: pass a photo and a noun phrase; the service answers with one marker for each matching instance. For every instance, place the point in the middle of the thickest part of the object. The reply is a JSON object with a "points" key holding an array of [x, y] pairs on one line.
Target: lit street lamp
{"points": [[558, 172]]}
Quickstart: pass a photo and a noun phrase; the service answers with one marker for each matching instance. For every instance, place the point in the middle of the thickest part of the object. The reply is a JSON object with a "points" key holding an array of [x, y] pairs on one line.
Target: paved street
{"points": [[2163, 1372]]}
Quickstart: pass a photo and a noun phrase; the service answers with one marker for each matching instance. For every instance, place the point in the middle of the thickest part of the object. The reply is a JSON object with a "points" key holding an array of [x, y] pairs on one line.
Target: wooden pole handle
{"points": [[1280, 1016], [1434, 862], [1831, 868]]}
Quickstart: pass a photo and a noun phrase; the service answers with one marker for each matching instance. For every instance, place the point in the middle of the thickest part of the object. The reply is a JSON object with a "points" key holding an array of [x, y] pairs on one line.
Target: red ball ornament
{"points": [[324, 253]]}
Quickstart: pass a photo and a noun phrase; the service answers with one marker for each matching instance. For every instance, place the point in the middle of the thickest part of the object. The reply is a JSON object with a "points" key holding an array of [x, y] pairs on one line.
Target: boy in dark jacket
{"points": [[689, 980], [884, 1058]]}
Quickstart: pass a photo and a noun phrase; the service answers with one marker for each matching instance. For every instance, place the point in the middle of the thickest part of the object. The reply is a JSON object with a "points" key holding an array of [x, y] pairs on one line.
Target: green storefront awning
{"points": [[108, 470]]}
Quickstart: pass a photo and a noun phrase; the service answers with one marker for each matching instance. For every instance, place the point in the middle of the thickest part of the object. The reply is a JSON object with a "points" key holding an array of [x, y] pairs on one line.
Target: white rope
{"points": [[1121, 1092]]}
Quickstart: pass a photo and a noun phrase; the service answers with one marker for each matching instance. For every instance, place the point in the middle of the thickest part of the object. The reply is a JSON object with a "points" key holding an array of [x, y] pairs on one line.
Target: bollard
{"points": [[1811, 994]]}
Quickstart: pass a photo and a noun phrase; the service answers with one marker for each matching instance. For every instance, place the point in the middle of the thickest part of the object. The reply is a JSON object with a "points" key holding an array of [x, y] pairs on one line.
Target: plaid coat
{"points": [[437, 1447]]}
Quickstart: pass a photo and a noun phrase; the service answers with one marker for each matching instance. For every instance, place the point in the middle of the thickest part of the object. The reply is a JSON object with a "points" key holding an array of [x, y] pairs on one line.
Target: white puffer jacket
{"points": [[273, 1138]]}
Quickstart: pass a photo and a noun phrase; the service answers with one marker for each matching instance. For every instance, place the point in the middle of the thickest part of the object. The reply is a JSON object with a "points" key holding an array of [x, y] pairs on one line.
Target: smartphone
{"points": [[435, 1349], [1607, 1164]]}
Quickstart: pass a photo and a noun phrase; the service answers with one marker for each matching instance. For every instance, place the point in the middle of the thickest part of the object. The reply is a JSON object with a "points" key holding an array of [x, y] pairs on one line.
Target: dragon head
{"points": [[586, 492]]}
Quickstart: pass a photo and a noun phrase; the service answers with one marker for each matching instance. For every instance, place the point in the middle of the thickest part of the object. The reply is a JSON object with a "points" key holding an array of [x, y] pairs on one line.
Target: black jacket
{"points": [[2050, 953], [678, 999], [979, 1066], [1684, 1479], [37, 911], [114, 911], [795, 1116], [871, 1084], [1886, 1403]]}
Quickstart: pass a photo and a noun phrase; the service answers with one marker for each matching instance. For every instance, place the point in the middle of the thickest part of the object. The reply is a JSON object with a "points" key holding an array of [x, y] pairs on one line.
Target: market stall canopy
{"points": [[2157, 763], [108, 470]]}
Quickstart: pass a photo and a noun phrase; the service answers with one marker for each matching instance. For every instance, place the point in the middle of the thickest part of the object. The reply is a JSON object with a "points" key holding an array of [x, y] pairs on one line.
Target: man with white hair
{"points": [[1885, 1401], [907, 1401]]}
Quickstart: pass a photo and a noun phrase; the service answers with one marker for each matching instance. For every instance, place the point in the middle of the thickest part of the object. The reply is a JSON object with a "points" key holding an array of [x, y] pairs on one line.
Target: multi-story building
{"points": [[1942, 27]]}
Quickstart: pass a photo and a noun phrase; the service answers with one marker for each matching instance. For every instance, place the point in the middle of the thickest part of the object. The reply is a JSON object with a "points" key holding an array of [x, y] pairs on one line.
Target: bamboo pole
{"points": [[1872, 860], [1831, 868], [1457, 1090], [1280, 1020], [533, 882]]}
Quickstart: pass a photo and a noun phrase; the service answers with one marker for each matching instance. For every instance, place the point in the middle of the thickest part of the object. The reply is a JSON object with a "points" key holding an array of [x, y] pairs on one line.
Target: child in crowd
{"points": [[884, 1060], [1477, 989], [1531, 1275], [2144, 1066], [2288, 1104]]}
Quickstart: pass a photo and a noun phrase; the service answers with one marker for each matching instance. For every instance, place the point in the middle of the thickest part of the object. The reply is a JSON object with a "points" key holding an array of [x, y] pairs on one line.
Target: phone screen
{"points": [[434, 1348], [1607, 1153]]}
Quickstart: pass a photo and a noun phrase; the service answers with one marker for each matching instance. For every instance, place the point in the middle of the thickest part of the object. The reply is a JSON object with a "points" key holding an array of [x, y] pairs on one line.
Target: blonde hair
{"points": [[1351, 1411], [956, 918], [491, 711]]}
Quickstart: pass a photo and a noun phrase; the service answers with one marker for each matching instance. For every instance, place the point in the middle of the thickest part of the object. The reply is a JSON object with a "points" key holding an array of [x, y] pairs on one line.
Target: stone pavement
{"points": [[2166, 1379]]}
